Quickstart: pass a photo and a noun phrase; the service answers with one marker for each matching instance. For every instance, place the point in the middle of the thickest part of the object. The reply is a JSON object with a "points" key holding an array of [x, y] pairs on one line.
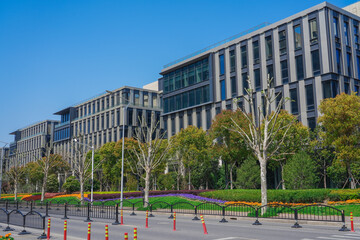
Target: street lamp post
{"points": [[122, 152], [1, 164], [92, 167]]}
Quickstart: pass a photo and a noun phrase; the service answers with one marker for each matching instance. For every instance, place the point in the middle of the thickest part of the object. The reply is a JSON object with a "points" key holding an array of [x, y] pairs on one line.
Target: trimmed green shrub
{"points": [[52, 184], [71, 185]]}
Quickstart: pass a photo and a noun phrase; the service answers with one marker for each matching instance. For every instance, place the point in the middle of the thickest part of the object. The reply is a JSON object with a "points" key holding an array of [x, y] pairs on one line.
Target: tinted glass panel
{"points": [[299, 68], [297, 37], [222, 64]]}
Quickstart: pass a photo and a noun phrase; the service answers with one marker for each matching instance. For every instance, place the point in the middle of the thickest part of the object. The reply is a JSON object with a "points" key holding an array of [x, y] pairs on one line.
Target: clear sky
{"points": [[56, 53]]}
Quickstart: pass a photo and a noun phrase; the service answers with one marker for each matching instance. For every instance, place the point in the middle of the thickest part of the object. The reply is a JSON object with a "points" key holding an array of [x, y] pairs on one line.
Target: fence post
{"points": [[88, 214], [133, 210], [31, 206], [343, 228], [296, 225], [43, 235], [47, 210], [223, 220], [171, 216], [257, 217], [116, 215], [196, 217], [151, 215], [17, 205], [23, 232], [6, 205], [8, 228], [65, 211]]}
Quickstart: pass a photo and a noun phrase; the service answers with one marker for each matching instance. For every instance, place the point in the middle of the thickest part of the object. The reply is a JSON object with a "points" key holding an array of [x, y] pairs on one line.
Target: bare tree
{"points": [[49, 162], [81, 162], [262, 134], [151, 149], [16, 172]]}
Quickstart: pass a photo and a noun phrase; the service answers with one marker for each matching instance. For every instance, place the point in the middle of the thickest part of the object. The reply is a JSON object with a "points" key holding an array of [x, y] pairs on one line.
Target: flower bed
{"points": [[140, 194]]}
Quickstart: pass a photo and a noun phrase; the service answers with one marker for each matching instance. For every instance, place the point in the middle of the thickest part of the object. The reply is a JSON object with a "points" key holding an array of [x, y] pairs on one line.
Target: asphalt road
{"points": [[160, 227]]}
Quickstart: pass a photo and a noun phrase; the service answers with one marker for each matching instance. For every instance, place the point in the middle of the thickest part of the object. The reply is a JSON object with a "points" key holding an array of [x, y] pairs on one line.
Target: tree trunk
{"points": [[231, 176], [15, 190], [282, 176], [325, 185], [147, 187], [352, 182], [263, 184], [43, 187], [189, 179], [81, 188]]}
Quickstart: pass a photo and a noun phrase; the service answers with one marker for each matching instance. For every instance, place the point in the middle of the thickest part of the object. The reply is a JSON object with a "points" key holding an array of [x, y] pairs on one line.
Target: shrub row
{"points": [[288, 196], [151, 193]]}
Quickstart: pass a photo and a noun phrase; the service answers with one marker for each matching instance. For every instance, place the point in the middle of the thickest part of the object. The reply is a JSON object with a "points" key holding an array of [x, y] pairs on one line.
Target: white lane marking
{"points": [[335, 237], [229, 238], [346, 236]]}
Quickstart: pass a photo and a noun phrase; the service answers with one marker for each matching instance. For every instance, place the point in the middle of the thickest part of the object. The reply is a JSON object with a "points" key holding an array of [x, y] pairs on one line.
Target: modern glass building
{"points": [[312, 55]]}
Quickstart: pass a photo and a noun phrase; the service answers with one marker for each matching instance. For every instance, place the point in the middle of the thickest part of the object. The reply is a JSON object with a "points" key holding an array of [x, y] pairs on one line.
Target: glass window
{"points": [[338, 60], [294, 101], [348, 56], [222, 64], [268, 47], [346, 86], [347, 33], [357, 87], [205, 69], [198, 72], [336, 27], [313, 31], [130, 116], [315, 62], [189, 114], [270, 75], [206, 94], [232, 61], [154, 100], [146, 100], [222, 90], [309, 97], [185, 99], [198, 96], [173, 130], [85, 111], [233, 86], [245, 82], [256, 52], [330, 89], [191, 74], [311, 123], [181, 122], [284, 72], [243, 57], [191, 98], [356, 37], [278, 99], [299, 67], [208, 119], [198, 119], [282, 42], [257, 79], [136, 98], [178, 101], [358, 66], [297, 37]]}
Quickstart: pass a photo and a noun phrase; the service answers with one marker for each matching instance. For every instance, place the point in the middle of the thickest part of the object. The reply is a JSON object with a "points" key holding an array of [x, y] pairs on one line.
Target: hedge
{"points": [[288, 196]]}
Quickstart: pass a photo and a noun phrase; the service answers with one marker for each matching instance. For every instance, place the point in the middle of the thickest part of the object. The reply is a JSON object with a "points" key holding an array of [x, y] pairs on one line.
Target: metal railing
{"points": [[110, 210]]}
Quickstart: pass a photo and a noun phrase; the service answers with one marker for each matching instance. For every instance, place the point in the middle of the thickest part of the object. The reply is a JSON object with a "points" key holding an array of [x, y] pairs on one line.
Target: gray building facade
{"points": [[312, 55], [30, 141], [100, 119]]}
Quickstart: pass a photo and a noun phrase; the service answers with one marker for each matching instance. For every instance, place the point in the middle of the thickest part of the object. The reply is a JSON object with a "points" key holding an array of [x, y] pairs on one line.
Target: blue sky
{"points": [[56, 53]]}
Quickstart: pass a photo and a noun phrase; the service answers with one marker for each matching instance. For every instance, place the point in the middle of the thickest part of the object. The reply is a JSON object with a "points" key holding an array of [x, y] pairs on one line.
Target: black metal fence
{"points": [[31, 219], [110, 210]]}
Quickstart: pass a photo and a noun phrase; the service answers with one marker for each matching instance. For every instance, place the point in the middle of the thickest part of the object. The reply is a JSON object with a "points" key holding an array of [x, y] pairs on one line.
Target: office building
{"points": [[30, 142], [100, 119], [312, 55]]}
